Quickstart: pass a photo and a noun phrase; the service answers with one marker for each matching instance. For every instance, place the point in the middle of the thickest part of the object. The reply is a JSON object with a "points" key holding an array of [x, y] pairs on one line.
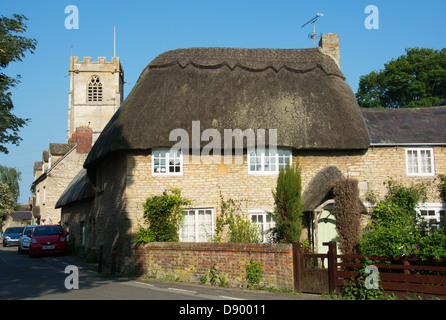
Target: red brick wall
{"points": [[84, 139], [188, 262]]}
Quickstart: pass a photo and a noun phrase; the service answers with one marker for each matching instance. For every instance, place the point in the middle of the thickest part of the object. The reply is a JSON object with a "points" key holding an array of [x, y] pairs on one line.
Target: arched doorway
{"points": [[324, 226], [318, 199]]}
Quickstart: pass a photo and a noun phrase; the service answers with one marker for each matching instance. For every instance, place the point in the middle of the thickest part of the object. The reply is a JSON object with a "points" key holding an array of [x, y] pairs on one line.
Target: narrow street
{"points": [[43, 278]]}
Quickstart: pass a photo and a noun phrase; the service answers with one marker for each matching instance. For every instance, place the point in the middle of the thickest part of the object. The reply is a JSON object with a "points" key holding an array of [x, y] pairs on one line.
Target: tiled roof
{"points": [[406, 126]]}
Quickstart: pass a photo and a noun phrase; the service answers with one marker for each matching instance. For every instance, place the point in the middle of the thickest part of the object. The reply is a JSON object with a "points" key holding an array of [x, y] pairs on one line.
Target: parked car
{"points": [[12, 235], [48, 239], [25, 238]]}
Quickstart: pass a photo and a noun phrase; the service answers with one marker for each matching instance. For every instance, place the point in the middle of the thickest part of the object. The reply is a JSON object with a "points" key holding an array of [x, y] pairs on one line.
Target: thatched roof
{"points": [[320, 188], [300, 92], [78, 190], [406, 125]]}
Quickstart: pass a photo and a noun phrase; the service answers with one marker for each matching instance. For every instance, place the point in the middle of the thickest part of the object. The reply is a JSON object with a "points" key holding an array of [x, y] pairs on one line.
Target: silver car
{"points": [[25, 239], [12, 235]]}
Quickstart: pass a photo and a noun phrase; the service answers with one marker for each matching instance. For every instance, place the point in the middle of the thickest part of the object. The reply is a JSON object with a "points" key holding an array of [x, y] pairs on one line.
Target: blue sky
{"points": [[145, 29]]}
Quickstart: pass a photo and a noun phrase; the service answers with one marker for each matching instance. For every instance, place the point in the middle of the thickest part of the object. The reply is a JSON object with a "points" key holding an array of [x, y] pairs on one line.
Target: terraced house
{"points": [[299, 94]]}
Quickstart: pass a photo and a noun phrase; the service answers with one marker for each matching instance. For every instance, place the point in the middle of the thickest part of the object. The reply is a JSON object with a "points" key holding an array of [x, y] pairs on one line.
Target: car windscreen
{"points": [[14, 230], [29, 231], [48, 231]]}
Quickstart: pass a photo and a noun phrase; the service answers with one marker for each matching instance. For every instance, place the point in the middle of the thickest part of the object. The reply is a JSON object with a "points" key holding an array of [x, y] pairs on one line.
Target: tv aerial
{"points": [[314, 35]]}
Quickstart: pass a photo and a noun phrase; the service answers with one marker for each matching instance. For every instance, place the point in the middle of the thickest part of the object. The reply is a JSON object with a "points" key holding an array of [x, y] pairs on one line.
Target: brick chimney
{"points": [[329, 44], [83, 138]]}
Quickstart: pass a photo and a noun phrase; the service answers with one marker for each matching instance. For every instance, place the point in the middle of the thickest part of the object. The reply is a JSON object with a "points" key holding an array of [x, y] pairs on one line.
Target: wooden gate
{"points": [[310, 271]]}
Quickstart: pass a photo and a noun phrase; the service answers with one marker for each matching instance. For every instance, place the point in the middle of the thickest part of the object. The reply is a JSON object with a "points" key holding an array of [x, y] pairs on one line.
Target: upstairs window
{"points": [[420, 162], [167, 162], [94, 89], [268, 161]]}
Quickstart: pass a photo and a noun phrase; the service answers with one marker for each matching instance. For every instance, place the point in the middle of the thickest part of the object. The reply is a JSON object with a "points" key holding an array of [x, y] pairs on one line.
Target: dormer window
{"points": [[94, 89]]}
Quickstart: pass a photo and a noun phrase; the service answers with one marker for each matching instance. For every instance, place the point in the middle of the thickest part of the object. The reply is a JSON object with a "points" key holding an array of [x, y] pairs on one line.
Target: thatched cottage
{"points": [[300, 93]]}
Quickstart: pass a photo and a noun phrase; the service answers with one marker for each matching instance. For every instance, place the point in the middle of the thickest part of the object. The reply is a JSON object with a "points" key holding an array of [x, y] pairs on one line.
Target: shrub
{"points": [[240, 229], [348, 216], [356, 288], [287, 213], [394, 231], [163, 215]]}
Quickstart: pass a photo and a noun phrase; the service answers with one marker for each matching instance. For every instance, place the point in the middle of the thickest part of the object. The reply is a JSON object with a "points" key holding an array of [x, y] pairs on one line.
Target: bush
{"points": [[348, 215], [288, 209], [394, 231], [163, 214], [241, 229]]}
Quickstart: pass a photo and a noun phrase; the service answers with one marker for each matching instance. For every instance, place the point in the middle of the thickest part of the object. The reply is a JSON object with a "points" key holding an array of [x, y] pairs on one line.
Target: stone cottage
{"points": [[221, 122]]}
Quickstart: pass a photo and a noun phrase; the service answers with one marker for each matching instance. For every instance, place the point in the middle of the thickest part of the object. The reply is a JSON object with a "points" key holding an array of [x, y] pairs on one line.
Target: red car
{"points": [[48, 239]]}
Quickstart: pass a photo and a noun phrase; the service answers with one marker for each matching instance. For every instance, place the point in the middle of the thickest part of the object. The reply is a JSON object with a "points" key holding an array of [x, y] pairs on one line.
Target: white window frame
{"points": [[266, 233], [266, 160], [419, 165], [197, 228], [434, 211], [167, 158]]}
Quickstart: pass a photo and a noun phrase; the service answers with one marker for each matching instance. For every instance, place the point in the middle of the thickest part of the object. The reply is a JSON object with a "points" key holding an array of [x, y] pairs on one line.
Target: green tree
{"points": [[11, 177], [12, 48], [415, 79], [7, 203], [288, 205]]}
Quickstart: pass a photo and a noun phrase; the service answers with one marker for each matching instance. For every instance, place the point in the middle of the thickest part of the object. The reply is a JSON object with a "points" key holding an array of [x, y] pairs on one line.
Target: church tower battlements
{"points": [[96, 92]]}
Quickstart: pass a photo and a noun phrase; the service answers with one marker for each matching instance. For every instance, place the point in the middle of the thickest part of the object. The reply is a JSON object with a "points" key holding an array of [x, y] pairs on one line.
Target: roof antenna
{"points": [[314, 35], [114, 41]]}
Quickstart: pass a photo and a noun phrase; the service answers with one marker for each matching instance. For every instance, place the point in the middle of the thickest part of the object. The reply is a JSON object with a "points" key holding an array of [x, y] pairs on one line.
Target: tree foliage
{"points": [[7, 203], [287, 213], [415, 79], [11, 177], [13, 47]]}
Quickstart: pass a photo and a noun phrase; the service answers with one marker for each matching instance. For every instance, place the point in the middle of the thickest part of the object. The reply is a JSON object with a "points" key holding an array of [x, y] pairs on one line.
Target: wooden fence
{"points": [[402, 277]]}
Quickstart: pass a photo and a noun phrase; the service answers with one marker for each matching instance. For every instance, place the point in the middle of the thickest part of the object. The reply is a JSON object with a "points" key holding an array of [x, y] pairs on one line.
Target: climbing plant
{"points": [[163, 214]]}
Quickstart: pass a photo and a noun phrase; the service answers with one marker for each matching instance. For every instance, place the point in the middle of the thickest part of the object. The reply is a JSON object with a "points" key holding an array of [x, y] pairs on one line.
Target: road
{"points": [[44, 278]]}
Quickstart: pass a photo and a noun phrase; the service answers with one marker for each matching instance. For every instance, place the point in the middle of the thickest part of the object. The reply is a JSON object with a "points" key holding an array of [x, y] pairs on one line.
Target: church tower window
{"points": [[94, 89]]}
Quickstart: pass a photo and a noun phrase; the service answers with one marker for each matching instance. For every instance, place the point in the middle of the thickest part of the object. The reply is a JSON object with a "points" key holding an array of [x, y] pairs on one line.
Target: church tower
{"points": [[96, 92]]}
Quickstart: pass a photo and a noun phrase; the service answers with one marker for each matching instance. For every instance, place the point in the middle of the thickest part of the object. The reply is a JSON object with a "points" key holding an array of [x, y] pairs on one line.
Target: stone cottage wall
{"points": [[205, 183], [117, 211]]}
